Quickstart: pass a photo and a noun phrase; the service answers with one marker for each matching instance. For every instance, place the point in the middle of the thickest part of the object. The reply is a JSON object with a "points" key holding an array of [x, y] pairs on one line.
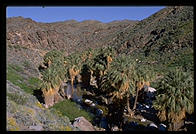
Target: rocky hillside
{"points": [[165, 38], [68, 35], [25, 112], [27, 39], [167, 30]]}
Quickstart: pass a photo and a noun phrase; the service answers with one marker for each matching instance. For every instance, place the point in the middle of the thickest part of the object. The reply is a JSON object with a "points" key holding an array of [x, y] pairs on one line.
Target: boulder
{"points": [[37, 128], [150, 89], [93, 105], [115, 128], [99, 112], [143, 120], [152, 126], [83, 124], [162, 127], [88, 102]]}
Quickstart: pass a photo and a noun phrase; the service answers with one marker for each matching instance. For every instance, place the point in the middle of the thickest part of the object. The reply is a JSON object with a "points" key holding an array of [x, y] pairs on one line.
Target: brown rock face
{"points": [[68, 35], [83, 124]]}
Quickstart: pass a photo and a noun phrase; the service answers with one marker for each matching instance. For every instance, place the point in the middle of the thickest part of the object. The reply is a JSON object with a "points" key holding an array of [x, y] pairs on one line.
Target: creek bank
{"points": [[89, 102]]}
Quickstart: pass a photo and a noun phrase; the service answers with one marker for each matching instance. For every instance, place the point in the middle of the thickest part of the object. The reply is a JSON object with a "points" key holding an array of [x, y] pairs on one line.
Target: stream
{"points": [[87, 104], [100, 120]]}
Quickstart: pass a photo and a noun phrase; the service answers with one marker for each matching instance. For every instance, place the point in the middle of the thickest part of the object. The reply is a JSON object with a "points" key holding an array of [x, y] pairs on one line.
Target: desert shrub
{"points": [[26, 64], [28, 85], [12, 125], [19, 99]]}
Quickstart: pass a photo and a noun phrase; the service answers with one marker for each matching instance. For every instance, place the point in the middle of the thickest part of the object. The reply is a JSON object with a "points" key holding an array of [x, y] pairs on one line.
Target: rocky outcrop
{"points": [[83, 124], [67, 35], [26, 113]]}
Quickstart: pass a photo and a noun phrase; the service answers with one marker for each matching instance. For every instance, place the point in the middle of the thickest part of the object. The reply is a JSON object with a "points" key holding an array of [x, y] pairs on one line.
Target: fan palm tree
{"points": [[74, 67], [101, 63], [53, 75], [142, 76], [52, 56], [118, 79], [175, 97], [50, 85]]}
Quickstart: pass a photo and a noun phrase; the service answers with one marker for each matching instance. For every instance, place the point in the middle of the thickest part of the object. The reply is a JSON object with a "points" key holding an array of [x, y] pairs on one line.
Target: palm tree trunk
{"points": [[128, 104], [72, 91], [134, 106]]}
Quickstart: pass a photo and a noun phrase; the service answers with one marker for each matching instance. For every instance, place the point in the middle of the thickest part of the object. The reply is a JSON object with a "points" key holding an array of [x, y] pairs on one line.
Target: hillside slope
{"points": [[25, 112], [170, 28], [165, 38], [68, 35]]}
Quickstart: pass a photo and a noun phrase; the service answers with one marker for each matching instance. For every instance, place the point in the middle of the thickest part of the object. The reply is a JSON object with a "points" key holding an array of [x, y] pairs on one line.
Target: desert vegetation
{"points": [[108, 76]]}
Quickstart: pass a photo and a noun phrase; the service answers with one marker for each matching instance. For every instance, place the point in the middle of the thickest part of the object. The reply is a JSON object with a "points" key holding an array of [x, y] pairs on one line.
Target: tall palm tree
{"points": [[53, 75], [74, 67], [175, 97], [101, 63], [50, 85], [118, 79], [142, 75]]}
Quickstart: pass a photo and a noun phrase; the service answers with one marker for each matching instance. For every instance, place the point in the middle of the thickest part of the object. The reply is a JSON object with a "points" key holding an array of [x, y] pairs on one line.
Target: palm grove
{"points": [[119, 78]]}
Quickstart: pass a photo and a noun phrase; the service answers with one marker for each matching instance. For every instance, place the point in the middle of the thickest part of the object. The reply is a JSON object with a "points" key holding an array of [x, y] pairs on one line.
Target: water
{"points": [[77, 97]]}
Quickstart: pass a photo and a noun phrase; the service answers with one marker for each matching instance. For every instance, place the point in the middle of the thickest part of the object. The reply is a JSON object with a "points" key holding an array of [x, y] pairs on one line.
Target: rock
{"points": [[88, 102], [99, 112], [150, 89], [162, 127], [147, 106], [115, 128], [143, 110], [143, 120], [83, 124], [152, 125], [93, 105], [37, 128]]}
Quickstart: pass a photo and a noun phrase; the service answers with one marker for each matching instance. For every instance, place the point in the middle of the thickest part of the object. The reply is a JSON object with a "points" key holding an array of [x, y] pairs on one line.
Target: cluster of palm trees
{"points": [[119, 77], [175, 97]]}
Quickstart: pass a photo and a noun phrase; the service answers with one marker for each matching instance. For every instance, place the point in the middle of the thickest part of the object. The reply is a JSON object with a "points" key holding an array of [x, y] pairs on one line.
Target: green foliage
{"points": [[53, 55], [14, 67], [34, 83], [17, 47], [26, 64], [71, 110], [175, 94], [28, 85], [184, 60], [19, 99], [55, 73]]}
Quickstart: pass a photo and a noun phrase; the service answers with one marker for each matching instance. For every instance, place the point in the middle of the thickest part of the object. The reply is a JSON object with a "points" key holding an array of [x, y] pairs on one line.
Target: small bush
{"points": [[26, 64], [28, 85], [19, 99], [12, 125], [39, 105]]}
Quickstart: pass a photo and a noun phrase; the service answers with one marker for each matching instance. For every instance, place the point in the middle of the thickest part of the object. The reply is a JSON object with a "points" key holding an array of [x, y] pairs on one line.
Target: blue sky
{"points": [[104, 14]]}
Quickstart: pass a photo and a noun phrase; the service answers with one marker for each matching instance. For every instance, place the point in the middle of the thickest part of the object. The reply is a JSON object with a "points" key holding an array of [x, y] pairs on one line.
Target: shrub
{"points": [[19, 99]]}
